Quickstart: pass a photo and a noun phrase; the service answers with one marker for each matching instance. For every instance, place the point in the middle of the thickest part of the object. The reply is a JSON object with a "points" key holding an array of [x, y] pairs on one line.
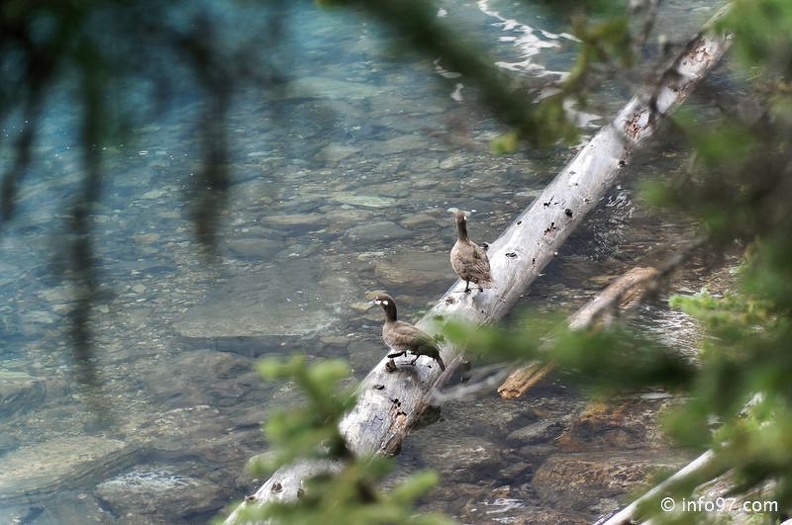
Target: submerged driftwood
{"points": [[618, 299], [390, 403]]}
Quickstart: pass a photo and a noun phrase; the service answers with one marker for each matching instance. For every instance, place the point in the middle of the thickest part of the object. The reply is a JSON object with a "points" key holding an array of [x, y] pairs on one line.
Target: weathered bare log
{"points": [[524, 378], [390, 403]]}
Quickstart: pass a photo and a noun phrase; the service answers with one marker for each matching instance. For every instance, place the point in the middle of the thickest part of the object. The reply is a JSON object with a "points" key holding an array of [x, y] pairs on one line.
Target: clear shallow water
{"points": [[342, 185]]}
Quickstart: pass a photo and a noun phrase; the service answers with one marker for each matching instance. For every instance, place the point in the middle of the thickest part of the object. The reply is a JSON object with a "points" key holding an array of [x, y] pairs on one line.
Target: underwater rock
{"points": [[540, 431], [253, 247], [295, 299], [399, 144], [19, 392], [419, 220], [463, 459], [363, 201], [337, 152], [176, 430], [377, 231], [53, 466], [586, 482], [72, 507], [416, 269], [194, 378], [295, 220], [156, 491], [452, 162]]}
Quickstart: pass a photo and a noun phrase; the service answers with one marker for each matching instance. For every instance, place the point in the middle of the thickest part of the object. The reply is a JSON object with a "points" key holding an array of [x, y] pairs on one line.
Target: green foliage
{"points": [[605, 361], [351, 495], [308, 430], [762, 33], [737, 394], [500, 343], [504, 144], [744, 382], [350, 498], [738, 188]]}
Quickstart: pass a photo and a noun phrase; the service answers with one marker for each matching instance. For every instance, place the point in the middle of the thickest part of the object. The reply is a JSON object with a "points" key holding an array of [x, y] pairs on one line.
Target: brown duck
{"points": [[403, 337], [468, 259]]}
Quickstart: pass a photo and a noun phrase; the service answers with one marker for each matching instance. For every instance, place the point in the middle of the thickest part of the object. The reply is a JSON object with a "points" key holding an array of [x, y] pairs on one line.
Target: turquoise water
{"points": [[342, 185]]}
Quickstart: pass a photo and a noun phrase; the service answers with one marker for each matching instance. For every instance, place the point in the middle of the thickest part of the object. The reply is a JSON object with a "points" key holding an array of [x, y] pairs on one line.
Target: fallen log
{"points": [[390, 403]]}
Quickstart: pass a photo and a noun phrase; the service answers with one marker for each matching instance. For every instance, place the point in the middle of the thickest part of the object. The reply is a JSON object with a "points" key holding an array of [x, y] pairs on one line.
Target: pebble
{"points": [[452, 162], [377, 232], [153, 194]]}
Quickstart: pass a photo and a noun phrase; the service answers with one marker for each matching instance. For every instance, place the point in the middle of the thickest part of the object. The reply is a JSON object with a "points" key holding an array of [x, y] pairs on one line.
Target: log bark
{"points": [[390, 403]]}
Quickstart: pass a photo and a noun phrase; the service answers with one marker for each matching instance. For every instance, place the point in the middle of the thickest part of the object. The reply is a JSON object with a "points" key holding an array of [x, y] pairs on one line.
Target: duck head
{"points": [[387, 303], [461, 223]]}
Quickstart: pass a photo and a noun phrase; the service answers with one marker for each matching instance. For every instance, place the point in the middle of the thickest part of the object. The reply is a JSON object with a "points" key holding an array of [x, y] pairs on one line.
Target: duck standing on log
{"points": [[403, 337], [469, 260]]}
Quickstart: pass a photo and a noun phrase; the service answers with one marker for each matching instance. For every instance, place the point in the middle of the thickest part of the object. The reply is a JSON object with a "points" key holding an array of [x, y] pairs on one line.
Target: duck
{"points": [[468, 259], [402, 337]]}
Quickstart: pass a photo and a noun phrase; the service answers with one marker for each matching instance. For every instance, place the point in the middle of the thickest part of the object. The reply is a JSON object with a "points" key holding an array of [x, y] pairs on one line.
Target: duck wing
{"points": [[404, 337], [470, 259], [405, 334]]}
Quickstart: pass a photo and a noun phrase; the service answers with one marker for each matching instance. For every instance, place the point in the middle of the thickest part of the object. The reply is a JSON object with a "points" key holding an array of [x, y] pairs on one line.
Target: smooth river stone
{"points": [[295, 298], [581, 481], [338, 152], [377, 232], [399, 144], [330, 88], [363, 201], [154, 490], [414, 268], [30, 472], [19, 392]]}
